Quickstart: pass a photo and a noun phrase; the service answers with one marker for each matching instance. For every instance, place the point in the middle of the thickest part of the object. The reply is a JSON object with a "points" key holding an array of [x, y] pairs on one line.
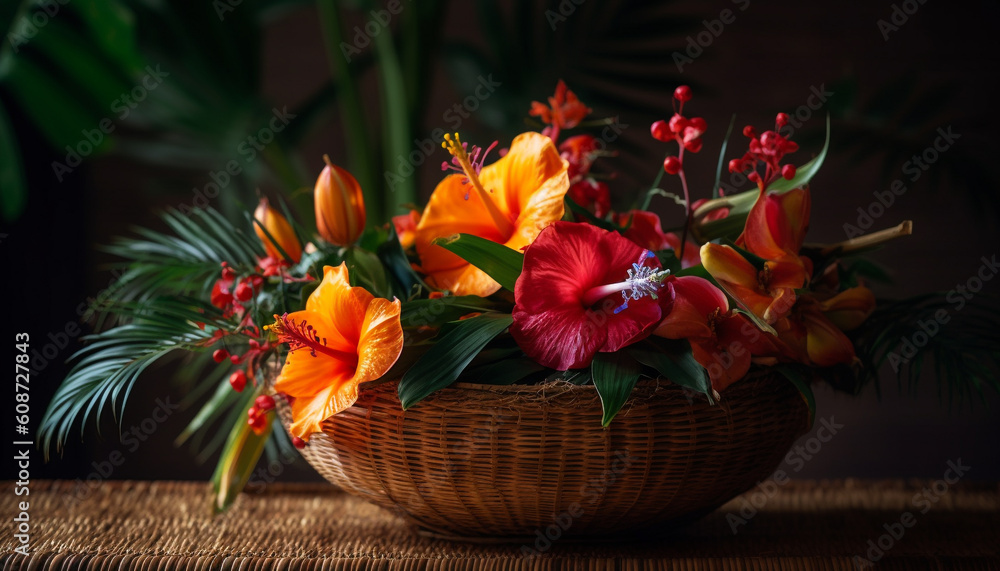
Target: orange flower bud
{"points": [[279, 229], [340, 206]]}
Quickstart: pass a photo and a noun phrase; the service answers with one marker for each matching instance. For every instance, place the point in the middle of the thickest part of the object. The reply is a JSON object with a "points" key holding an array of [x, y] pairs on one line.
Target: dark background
{"points": [[938, 70]]}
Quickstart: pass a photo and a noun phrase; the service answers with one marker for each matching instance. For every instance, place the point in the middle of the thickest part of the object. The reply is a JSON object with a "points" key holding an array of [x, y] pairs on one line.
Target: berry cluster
{"points": [[687, 132], [768, 150]]}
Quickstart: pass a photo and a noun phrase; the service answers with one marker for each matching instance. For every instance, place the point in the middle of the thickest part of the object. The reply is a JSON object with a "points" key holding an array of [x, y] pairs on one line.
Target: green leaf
{"points": [[589, 216], [801, 382], [722, 158], [394, 258], [498, 261], [449, 356], [13, 189], [615, 375], [239, 456], [367, 271], [58, 117], [806, 172], [437, 312], [677, 365], [223, 398], [503, 372]]}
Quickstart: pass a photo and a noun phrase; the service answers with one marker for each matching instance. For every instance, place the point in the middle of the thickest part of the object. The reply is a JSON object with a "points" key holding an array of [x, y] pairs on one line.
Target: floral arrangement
{"points": [[516, 271]]}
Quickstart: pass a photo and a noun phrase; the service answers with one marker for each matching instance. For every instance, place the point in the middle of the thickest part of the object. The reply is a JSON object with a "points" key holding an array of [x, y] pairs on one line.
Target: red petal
{"points": [[551, 323]]}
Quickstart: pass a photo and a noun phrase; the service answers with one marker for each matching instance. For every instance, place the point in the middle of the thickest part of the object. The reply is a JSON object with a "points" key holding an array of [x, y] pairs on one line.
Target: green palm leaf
{"points": [[107, 369]]}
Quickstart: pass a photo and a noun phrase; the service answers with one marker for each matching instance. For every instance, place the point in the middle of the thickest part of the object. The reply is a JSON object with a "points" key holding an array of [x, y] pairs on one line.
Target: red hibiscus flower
{"points": [[585, 290]]}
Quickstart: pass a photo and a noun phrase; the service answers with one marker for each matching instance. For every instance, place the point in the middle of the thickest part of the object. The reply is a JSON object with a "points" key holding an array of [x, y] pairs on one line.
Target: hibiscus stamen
{"points": [[470, 166], [642, 281], [301, 335]]}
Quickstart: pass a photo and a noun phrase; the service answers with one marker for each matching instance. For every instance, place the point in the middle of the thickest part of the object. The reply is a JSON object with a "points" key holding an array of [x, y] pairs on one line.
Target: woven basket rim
{"points": [[655, 383]]}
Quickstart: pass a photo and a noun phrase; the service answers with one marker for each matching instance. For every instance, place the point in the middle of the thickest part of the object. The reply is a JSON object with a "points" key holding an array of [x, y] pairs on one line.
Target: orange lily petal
{"points": [[725, 263], [777, 224], [849, 308], [826, 345]]}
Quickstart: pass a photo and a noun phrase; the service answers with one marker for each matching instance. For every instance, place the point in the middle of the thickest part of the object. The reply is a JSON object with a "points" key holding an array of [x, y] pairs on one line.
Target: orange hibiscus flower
{"points": [[508, 202], [344, 337]]}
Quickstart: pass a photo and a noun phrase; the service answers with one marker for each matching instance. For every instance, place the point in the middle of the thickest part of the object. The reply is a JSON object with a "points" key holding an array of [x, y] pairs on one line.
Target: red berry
{"points": [[698, 123], [264, 402], [238, 380], [781, 120], [672, 165], [750, 132], [678, 123], [788, 172], [682, 93], [243, 291], [298, 442], [220, 355], [736, 165], [660, 131], [754, 177], [694, 145], [235, 359]]}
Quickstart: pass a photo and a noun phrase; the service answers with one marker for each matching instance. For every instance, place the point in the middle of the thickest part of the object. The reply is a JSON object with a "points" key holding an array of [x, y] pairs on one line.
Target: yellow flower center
{"points": [[457, 150]]}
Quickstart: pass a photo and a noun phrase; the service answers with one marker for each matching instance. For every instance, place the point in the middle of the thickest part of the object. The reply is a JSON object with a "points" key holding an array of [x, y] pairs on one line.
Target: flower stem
{"points": [[905, 228]]}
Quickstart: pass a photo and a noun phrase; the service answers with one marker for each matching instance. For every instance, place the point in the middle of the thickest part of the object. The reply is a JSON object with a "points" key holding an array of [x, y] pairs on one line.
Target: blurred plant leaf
{"points": [[13, 189]]}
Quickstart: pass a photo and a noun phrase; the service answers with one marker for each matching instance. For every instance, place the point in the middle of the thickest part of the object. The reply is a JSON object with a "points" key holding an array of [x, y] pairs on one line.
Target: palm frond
{"points": [[955, 339], [184, 263], [107, 369]]}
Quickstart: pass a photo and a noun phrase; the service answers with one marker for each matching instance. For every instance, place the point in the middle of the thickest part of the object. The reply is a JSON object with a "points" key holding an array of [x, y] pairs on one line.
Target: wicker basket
{"points": [[509, 461]]}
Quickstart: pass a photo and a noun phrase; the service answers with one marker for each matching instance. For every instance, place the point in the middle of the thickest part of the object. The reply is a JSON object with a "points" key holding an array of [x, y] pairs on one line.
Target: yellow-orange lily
{"points": [[344, 337], [814, 331], [508, 202], [279, 229], [340, 206], [774, 231], [769, 292]]}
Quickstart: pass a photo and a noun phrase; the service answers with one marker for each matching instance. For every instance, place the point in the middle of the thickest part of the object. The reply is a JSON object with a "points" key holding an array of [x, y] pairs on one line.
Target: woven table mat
{"points": [[807, 525]]}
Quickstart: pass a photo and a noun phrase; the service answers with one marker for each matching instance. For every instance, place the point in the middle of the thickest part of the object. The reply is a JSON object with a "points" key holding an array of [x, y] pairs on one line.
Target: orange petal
{"points": [[724, 365], [826, 345], [849, 308], [528, 185], [776, 224], [725, 263], [695, 299], [363, 329]]}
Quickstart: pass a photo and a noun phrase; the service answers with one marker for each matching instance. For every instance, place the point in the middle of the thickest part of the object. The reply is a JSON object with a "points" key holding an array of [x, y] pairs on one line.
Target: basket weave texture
{"points": [[509, 461]]}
